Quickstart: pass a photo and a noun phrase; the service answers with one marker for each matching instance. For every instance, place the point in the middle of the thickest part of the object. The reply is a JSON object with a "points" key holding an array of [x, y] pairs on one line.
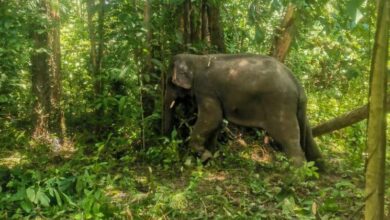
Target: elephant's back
{"points": [[251, 74]]}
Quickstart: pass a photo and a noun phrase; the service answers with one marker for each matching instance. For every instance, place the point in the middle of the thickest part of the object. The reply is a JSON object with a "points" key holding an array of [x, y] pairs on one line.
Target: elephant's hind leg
{"points": [[206, 126], [311, 149], [286, 133]]}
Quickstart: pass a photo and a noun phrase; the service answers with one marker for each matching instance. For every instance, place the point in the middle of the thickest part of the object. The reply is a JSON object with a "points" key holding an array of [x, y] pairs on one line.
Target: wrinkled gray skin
{"points": [[247, 90]]}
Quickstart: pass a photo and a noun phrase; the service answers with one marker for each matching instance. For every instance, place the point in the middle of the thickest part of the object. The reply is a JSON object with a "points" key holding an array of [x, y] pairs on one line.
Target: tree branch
{"points": [[344, 120]]}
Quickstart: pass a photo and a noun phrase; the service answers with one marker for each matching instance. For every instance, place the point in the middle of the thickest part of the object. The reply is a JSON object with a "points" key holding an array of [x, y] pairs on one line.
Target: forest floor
{"points": [[242, 182]]}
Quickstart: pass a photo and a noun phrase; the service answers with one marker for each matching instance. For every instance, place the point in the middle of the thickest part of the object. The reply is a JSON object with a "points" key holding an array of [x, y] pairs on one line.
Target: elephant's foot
{"points": [[297, 161], [206, 156], [320, 164], [203, 154]]}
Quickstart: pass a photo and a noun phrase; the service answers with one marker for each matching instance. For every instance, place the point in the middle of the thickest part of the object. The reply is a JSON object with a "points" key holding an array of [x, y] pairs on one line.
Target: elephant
{"points": [[245, 89]]}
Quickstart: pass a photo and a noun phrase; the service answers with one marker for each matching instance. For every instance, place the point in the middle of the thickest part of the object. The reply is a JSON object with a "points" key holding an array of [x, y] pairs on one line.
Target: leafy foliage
{"points": [[127, 169]]}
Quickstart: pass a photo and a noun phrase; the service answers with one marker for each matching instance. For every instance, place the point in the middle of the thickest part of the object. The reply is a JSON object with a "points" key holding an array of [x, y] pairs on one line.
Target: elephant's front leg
{"points": [[206, 126]]}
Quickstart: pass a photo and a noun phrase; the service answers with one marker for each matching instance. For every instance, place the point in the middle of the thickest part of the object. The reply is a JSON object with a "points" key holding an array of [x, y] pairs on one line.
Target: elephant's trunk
{"points": [[167, 115]]}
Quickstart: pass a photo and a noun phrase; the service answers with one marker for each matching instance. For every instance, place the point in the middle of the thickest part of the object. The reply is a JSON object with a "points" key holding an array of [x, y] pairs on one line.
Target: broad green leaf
{"points": [[26, 206], [31, 195], [42, 198]]}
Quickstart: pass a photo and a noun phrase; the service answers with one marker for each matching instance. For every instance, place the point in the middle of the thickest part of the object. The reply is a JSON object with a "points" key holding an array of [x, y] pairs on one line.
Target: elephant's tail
{"points": [[308, 144]]}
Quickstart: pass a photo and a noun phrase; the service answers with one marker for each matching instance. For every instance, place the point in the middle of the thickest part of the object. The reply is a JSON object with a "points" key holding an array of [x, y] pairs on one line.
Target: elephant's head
{"points": [[178, 85], [182, 72]]}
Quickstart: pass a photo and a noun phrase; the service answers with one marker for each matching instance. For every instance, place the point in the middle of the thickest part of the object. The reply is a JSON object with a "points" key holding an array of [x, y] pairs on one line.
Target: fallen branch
{"points": [[344, 120]]}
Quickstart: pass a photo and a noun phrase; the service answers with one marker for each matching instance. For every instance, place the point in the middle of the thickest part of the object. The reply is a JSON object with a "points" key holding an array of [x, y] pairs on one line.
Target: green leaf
{"points": [[42, 198], [58, 197], [99, 105], [146, 78], [358, 16], [123, 72], [3, 99], [68, 200], [122, 102], [51, 191], [259, 35], [80, 184], [353, 6], [158, 63], [26, 206], [31, 195]]}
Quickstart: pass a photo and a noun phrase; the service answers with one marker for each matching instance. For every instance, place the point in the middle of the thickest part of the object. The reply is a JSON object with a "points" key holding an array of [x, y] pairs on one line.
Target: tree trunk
{"points": [[344, 120], [376, 128], [46, 76], [215, 27], [96, 39], [284, 35], [204, 23], [92, 39], [40, 78], [195, 23], [96, 42], [100, 49], [187, 22], [57, 119], [147, 69], [149, 34]]}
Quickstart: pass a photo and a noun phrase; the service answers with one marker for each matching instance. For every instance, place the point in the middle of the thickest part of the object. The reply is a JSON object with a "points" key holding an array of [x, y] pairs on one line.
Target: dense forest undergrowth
{"points": [[81, 92], [242, 182]]}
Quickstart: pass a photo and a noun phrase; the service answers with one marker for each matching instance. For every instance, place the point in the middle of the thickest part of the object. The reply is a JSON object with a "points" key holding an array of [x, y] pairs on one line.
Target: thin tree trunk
{"points": [[149, 35], [180, 21], [284, 35], [204, 23], [92, 40], [147, 101], [100, 49], [215, 27], [194, 24], [376, 129], [97, 43], [344, 120], [187, 22], [96, 38]]}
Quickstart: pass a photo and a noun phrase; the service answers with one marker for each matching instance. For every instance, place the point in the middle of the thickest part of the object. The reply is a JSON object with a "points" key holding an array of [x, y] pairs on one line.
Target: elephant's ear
{"points": [[182, 75]]}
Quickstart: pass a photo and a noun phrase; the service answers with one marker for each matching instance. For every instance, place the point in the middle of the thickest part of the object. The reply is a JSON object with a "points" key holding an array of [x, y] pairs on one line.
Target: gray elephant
{"points": [[247, 90]]}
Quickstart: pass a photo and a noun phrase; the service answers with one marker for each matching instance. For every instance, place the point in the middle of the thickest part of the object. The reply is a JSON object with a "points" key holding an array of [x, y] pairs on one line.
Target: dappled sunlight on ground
{"points": [[217, 176], [251, 150], [11, 159]]}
